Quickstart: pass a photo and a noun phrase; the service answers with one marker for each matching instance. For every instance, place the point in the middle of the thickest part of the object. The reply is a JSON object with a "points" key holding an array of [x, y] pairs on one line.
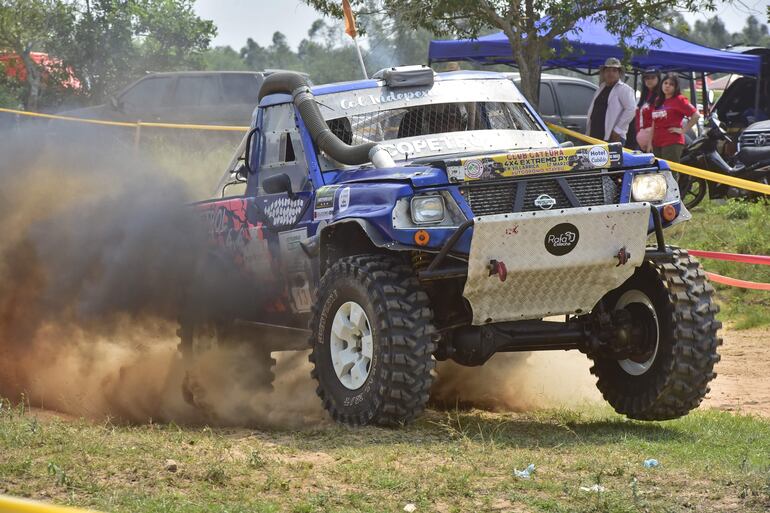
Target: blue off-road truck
{"points": [[414, 217]]}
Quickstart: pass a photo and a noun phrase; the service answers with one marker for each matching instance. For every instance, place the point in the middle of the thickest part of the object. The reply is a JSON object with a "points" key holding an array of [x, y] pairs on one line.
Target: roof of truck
{"points": [[340, 87]]}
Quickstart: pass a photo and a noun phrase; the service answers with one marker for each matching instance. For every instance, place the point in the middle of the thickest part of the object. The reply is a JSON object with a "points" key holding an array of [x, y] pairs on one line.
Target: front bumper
{"points": [[553, 261]]}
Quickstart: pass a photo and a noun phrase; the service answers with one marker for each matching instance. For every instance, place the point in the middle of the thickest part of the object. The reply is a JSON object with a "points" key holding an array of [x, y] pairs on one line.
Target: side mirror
{"points": [[566, 144], [247, 152], [277, 184]]}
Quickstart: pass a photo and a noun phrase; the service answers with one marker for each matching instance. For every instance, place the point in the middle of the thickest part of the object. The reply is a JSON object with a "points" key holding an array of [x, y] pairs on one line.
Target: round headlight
{"points": [[427, 209], [649, 187]]}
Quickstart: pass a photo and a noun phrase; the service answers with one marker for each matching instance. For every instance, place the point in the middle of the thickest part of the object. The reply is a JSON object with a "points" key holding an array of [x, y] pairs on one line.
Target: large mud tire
{"points": [[398, 375], [673, 379]]}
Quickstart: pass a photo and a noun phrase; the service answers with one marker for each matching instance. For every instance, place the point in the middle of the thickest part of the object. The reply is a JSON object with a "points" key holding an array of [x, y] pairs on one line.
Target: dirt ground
{"points": [[743, 376]]}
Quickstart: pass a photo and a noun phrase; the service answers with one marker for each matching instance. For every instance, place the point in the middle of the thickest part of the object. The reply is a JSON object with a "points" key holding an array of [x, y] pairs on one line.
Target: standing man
{"points": [[613, 105]]}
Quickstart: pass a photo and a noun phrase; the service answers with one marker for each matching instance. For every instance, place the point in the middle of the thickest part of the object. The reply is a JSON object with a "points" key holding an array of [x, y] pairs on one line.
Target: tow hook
{"points": [[622, 256], [498, 268]]}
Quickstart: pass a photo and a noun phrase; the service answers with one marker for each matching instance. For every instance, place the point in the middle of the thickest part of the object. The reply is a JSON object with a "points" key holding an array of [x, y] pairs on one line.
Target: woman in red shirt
{"points": [[649, 94], [670, 110]]}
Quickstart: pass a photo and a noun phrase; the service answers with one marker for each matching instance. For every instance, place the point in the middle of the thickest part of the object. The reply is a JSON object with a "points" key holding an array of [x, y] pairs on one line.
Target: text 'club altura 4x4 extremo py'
{"points": [[414, 217]]}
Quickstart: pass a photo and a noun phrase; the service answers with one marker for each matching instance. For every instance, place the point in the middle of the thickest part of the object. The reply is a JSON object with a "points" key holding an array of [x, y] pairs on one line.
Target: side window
{"points": [[576, 98], [281, 148], [241, 88], [150, 92], [738, 97], [194, 91], [546, 106]]}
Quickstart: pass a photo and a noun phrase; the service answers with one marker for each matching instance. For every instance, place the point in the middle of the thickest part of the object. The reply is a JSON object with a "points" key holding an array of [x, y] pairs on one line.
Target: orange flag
{"points": [[350, 21]]}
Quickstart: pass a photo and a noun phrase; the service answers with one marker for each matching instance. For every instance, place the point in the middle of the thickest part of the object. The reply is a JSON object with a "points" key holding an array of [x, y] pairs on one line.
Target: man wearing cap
{"points": [[612, 108]]}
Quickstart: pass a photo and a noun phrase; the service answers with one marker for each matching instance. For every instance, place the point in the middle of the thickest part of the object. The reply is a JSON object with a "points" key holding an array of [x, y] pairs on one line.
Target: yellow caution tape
{"points": [[217, 128], [13, 505], [680, 168]]}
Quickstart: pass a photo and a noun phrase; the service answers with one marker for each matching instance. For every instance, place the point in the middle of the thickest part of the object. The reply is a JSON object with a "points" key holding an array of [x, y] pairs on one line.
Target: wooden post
{"points": [[137, 136]]}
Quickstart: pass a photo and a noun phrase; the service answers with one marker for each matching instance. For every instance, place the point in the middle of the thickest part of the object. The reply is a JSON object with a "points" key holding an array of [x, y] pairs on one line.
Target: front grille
{"points": [[755, 139], [500, 197]]}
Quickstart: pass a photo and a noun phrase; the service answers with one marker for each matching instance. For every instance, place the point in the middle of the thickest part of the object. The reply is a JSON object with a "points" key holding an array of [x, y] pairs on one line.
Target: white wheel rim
{"points": [[351, 345], [633, 367]]}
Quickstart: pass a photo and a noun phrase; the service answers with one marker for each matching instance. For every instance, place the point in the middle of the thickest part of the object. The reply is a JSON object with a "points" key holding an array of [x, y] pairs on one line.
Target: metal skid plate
{"points": [[553, 261]]}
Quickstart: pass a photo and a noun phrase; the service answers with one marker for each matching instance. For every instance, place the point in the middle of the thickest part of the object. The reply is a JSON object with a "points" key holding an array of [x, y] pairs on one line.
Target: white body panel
{"points": [[539, 283]]}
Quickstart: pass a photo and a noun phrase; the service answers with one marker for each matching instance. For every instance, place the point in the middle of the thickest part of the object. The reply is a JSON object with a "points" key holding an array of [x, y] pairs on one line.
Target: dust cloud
{"points": [[517, 382], [96, 250]]}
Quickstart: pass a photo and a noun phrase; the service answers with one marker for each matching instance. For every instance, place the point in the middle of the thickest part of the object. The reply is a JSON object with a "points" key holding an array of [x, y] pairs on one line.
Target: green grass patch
{"points": [[448, 461], [734, 227]]}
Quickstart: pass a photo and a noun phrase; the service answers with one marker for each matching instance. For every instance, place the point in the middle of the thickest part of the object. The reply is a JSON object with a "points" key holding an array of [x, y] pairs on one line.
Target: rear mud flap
{"points": [[531, 265]]}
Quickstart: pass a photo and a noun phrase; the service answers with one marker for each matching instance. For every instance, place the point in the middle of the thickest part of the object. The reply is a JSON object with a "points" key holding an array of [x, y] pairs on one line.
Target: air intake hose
{"points": [[298, 87]]}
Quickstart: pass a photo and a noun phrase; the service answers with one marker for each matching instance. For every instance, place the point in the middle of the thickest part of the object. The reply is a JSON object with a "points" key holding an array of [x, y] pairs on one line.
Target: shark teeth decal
{"points": [[284, 211]]}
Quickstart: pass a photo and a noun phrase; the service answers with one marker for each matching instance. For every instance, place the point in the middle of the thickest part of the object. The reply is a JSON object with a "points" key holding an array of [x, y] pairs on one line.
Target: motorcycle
{"points": [[703, 153]]}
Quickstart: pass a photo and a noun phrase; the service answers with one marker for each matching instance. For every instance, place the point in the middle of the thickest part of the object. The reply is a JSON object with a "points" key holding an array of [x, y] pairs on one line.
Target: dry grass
{"points": [[448, 461]]}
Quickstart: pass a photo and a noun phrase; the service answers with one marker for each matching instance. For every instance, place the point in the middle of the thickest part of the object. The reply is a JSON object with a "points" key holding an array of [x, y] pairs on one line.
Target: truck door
{"points": [[547, 105], [283, 215]]}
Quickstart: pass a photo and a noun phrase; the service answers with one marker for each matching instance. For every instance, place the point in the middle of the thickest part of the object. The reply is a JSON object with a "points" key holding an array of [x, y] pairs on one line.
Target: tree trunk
{"points": [[527, 58], [530, 70], [34, 75]]}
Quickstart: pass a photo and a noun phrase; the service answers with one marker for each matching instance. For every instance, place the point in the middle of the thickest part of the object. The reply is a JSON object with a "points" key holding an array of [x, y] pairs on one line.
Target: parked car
{"points": [[563, 100], [197, 97]]}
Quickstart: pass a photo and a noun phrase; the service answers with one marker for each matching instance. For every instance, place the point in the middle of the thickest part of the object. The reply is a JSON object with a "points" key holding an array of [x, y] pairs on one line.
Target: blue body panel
{"points": [[417, 176]]}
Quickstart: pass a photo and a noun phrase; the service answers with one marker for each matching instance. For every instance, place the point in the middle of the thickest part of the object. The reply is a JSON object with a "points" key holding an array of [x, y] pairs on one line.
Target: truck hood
{"points": [[419, 176], [760, 126]]}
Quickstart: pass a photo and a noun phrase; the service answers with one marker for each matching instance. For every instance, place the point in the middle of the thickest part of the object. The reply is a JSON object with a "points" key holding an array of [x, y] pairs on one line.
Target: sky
{"points": [[238, 20]]}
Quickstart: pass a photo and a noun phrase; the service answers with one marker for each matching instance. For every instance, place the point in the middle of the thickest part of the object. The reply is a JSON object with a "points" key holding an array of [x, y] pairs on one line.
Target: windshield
{"points": [[450, 117]]}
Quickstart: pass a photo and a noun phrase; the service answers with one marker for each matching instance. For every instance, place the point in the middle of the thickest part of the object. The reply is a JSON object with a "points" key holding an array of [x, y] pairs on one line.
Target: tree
{"points": [[711, 32], [223, 58], [115, 40], [529, 25], [327, 54], [674, 23], [754, 33], [277, 55], [33, 25], [170, 34], [393, 42]]}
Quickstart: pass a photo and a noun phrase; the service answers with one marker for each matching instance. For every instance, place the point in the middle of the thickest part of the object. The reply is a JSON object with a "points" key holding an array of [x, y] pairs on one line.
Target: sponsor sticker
{"points": [[599, 156], [324, 202], [546, 160], [383, 97], [474, 169], [296, 265], [344, 199], [561, 239]]}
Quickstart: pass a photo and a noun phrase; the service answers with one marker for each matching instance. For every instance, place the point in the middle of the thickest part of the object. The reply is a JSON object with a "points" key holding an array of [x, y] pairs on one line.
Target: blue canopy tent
{"points": [[592, 44]]}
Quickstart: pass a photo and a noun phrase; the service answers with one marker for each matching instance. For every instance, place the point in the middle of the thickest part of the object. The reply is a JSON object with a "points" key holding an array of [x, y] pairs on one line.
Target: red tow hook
{"points": [[498, 268], [622, 256]]}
